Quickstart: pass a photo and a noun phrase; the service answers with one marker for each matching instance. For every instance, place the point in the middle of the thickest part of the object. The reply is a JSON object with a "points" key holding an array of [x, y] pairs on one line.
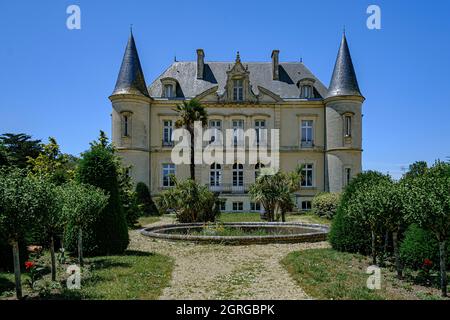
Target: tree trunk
{"points": [[443, 261], [16, 257], [398, 263], [374, 248], [80, 247], [283, 216], [52, 256], [192, 164], [62, 247]]}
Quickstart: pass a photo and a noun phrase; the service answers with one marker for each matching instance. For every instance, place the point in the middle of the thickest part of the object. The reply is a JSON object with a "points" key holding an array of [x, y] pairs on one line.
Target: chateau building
{"points": [[319, 127]]}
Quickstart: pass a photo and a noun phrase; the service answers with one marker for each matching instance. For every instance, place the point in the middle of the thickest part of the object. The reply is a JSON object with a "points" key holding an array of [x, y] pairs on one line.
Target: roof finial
{"points": [[238, 57], [131, 29], [175, 58], [343, 30], [301, 59]]}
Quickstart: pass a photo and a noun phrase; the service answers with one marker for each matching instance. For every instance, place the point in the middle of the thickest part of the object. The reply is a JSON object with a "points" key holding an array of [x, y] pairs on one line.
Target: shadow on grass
{"points": [[6, 284]]}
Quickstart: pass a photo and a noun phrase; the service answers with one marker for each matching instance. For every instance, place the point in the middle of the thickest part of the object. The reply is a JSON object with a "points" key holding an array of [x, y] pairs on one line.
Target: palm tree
{"points": [[188, 113], [274, 191]]}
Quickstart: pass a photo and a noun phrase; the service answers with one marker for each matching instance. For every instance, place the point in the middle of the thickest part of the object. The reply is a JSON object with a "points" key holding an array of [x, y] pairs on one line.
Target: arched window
{"points": [[215, 175], [307, 91], [238, 175], [258, 168]]}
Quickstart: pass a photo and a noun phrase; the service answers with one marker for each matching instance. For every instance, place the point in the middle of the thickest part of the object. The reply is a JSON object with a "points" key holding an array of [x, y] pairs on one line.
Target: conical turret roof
{"points": [[131, 78], [344, 82]]}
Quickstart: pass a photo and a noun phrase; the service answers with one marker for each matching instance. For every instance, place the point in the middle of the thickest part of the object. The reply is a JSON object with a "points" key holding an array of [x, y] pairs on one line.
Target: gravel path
{"points": [[226, 272]]}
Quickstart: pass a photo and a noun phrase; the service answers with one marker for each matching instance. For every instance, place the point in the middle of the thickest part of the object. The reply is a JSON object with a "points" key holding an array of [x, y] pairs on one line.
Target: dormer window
{"points": [[168, 91], [307, 91], [238, 90], [169, 88], [306, 87]]}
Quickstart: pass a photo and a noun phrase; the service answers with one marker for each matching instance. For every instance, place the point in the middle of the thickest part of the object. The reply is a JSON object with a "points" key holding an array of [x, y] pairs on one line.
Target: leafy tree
{"points": [[416, 169], [188, 113], [81, 206], [191, 202], [18, 210], [17, 148], [428, 205], [51, 163], [99, 167], [145, 200], [348, 232]]}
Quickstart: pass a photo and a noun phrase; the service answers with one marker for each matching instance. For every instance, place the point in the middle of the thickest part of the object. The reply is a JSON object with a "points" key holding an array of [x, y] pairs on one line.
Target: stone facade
{"points": [[319, 127]]}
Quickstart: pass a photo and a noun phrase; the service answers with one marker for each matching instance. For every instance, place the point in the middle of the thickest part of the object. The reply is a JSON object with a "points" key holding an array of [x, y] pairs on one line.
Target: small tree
{"points": [[50, 217], [51, 163], [188, 113], [428, 205], [145, 200], [274, 191], [18, 208], [19, 148], [81, 205], [191, 202]]}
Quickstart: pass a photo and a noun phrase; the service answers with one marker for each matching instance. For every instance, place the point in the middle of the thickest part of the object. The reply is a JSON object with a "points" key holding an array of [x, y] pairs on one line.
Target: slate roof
{"points": [[131, 78], [343, 81], [215, 74]]}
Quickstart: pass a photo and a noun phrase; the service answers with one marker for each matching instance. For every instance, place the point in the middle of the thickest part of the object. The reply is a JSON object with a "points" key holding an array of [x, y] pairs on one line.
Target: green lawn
{"points": [[134, 275], [255, 217], [329, 274], [143, 221]]}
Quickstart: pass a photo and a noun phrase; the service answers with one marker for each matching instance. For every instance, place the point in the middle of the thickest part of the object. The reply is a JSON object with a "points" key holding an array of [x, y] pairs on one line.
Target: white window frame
{"points": [[260, 124], [167, 132], [215, 125], [166, 170], [169, 90], [238, 90], [305, 202], [238, 175], [308, 168], [237, 124], [215, 175], [239, 206], [307, 140], [307, 91]]}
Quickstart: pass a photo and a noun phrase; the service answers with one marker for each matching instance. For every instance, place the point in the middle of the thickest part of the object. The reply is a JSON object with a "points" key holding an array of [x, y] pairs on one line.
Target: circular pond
{"points": [[240, 232]]}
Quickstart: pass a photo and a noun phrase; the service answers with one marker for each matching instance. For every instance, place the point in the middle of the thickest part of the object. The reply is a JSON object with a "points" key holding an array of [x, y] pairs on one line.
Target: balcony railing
{"points": [[229, 188]]}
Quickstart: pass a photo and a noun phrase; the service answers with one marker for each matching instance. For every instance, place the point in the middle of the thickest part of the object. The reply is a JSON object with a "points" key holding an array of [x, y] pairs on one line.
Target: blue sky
{"points": [[56, 82]]}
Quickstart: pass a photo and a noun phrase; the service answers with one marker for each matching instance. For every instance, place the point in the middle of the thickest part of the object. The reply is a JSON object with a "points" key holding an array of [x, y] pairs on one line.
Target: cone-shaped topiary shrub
{"points": [[145, 200]]}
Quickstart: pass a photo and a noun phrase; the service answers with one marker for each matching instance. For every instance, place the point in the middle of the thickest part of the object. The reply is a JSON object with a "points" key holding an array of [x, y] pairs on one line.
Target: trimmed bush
{"points": [[325, 204], [418, 245], [348, 233], [109, 233], [145, 200]]}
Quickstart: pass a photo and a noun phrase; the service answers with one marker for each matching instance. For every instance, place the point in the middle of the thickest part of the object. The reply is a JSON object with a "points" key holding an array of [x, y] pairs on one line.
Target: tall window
{"points": [[307, 133], [215, 175], [255, 206], [259, 124], [215, 126], [168, 169], [238, 131], [238, 206], [168, 91], [307, 179], [125, 126], [307, 91], [238, 90], [167, 132], [348, 175], [306, 205], [348, 126], [238, 175], [258, 168]]}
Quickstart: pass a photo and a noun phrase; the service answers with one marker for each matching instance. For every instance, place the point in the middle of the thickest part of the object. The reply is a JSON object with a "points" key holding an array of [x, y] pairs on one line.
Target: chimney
{"points": [[200, 63], [275, 64]]}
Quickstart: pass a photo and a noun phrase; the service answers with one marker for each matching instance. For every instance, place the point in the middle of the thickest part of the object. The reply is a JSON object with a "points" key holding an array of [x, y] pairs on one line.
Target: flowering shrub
{"points": [[34, 272]]}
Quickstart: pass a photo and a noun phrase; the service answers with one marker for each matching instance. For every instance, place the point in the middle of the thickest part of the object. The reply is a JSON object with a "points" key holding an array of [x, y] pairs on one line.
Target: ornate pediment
{"points": [[238, 88]]}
